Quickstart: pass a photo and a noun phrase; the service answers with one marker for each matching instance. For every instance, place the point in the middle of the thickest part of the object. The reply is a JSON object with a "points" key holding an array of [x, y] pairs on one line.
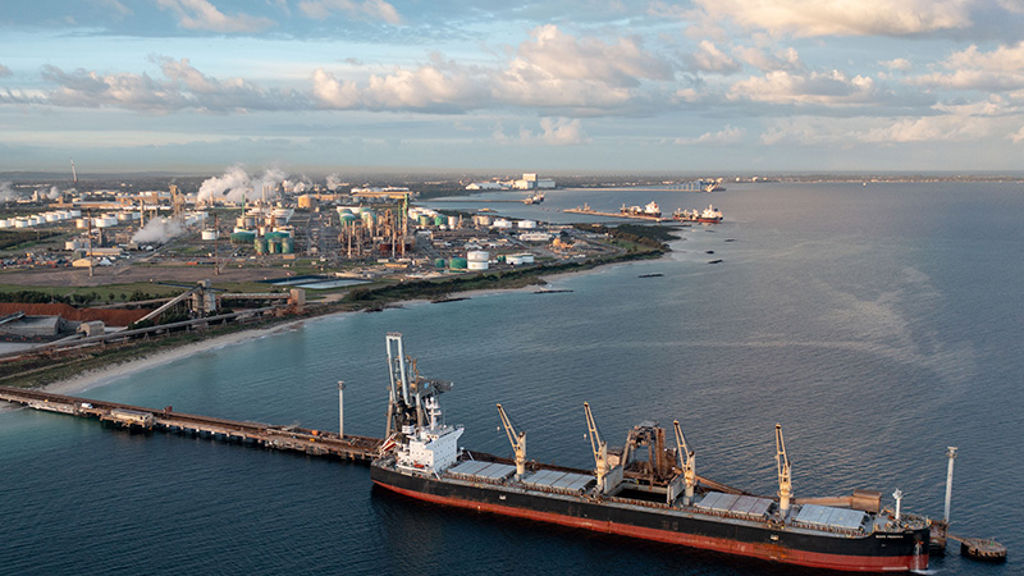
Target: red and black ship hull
{"points": [[879, 552]]}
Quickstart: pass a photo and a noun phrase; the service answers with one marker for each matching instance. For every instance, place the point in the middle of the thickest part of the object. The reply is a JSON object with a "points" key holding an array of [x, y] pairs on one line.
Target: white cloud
{"points": [[847, 132], [552, 69], [183, 86], [842, 17], [202, 15], [1018, 136], [561, 131], [781, 87], [708, 58], [994, 105], [728, 135], [556, 69], [974, 69], [781, 59], [438, 87], [334, 93], [553, 132], [554, 54], [373, 9], [117, 7], [896, 64], [950, 128]]}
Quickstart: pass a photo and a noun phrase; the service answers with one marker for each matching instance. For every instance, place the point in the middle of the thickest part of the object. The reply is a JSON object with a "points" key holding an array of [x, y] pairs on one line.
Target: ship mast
{"points": [[518, 441], [785, 473], [599, 447], [686, 462]]}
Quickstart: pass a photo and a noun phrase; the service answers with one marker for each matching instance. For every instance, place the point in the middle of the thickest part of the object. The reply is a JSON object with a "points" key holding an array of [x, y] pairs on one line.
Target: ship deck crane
{"points": [[785, 472], [407, 390], [686, 462], [600, 449], [518, 441]]}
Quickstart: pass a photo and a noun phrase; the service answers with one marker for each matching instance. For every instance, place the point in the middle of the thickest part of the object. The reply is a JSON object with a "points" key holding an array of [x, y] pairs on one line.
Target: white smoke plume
{"points": [[266, 187], [158, 231], [54, 193], [233, 187], [295, 186], [334, 181], [236, 186], [7, 192]]}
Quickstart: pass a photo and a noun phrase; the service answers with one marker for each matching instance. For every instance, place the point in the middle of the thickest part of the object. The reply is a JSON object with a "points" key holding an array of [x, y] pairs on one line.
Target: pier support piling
{"points": [[341, 409]]}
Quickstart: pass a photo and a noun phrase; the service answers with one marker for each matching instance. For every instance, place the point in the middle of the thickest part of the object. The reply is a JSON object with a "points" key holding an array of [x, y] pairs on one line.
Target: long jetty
{"points": [[290, 438]]}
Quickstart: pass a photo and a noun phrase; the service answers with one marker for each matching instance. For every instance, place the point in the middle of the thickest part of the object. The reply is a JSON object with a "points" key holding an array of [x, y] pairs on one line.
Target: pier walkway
{"points": [[293, 438]]}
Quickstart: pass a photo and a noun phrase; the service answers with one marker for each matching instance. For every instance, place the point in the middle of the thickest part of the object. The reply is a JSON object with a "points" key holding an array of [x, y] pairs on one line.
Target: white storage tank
{"points": [[104, 221], [82, 223], [477, 259], [51, 217], [75, 213], [527, 224], [209, 234], [21, 223], [502, 223], [519, 259]]}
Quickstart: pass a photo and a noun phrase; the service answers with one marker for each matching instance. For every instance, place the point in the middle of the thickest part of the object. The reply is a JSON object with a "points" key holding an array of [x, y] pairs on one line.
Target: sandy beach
{"points": [[93, 378]]}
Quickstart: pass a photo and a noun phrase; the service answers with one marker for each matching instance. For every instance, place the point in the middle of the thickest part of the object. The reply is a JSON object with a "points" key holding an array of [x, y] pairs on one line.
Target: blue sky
{"points": [[556, 86]]}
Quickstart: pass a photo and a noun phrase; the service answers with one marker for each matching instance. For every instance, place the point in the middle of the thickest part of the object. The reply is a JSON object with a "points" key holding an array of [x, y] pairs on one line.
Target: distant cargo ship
{"points": [[709, 215], [650, 209], [658, 498], [534, 198]]}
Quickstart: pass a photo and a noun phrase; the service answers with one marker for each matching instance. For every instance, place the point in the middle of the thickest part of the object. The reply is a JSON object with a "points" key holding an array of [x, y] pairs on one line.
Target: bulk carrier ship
{"points": [[645, 490]]}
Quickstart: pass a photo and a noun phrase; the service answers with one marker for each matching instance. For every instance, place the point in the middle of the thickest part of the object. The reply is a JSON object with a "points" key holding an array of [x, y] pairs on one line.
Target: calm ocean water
{"points": [[878, 324]]}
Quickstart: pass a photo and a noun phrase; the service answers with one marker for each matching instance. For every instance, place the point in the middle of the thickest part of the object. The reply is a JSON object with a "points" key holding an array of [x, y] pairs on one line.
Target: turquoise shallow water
{"points": [[878, 324]]}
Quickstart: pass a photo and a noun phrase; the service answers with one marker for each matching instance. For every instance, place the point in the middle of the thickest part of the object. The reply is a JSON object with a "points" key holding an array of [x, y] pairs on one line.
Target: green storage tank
{"points": [[242, 237], [440, 220], [274, 245], [260, 244], [348, 218], [459, 263], [287, 245], [424, 220], [439, 263]]}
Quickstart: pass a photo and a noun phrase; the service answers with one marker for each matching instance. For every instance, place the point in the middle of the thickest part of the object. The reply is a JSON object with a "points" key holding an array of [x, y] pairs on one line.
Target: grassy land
{"points": [[98, 295]]}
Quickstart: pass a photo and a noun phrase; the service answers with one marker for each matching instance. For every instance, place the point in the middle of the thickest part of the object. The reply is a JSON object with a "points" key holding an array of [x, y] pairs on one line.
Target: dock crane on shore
{"points": [[686, 462], [785, 473], [518, 441], [600, 449]]}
